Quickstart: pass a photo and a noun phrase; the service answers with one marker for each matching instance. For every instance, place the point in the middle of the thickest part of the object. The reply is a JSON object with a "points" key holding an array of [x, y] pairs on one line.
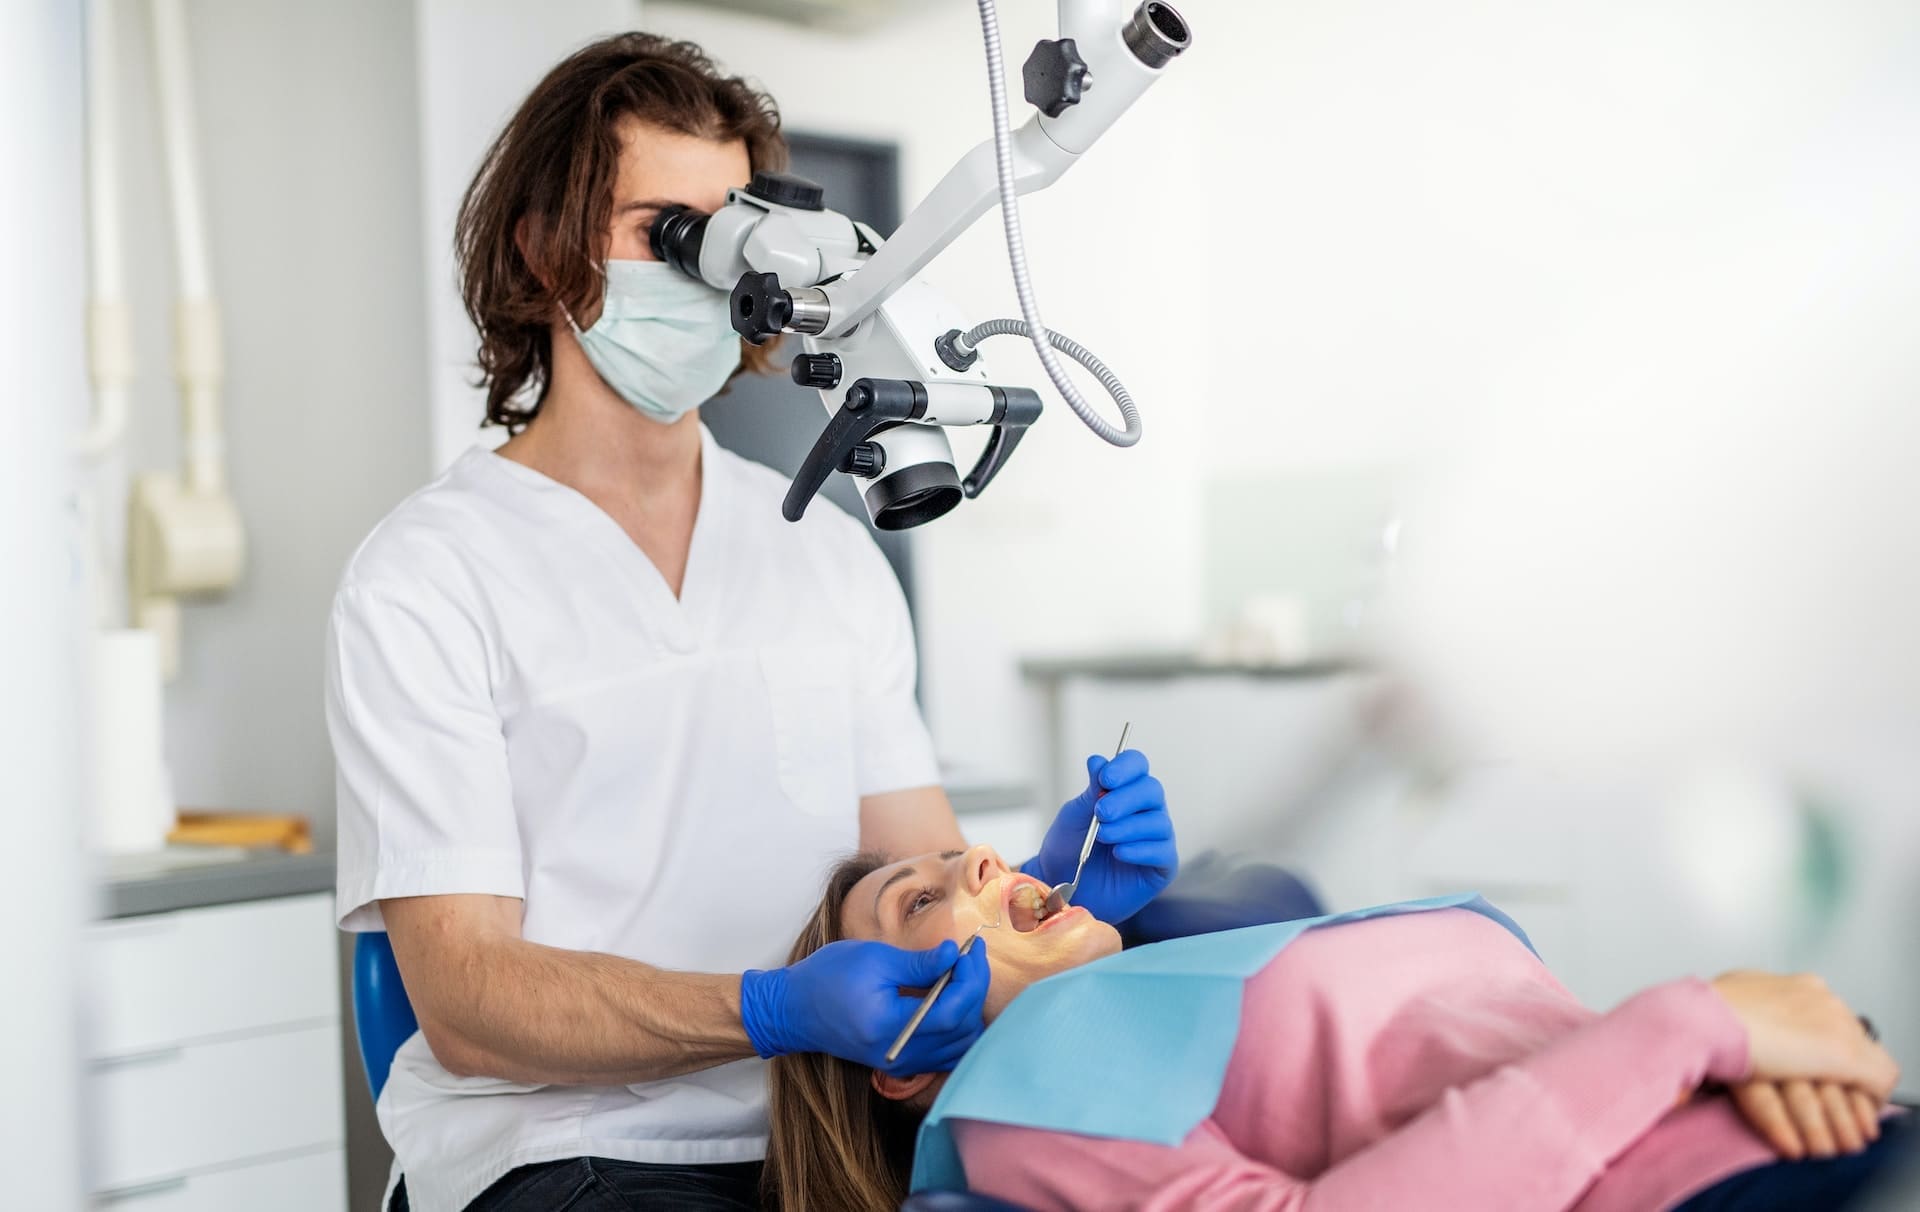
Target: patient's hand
{"points": [[1799, 1031], [1809, 1119]]}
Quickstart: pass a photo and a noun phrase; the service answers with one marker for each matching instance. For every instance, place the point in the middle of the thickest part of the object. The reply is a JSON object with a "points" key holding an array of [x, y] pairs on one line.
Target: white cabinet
{"points": [[312, 1182], [214, 1076]]}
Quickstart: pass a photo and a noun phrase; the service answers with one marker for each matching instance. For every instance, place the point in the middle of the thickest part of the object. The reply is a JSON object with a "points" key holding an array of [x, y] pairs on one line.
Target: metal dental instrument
{"points": [[926, 1003], [1062, 894]]}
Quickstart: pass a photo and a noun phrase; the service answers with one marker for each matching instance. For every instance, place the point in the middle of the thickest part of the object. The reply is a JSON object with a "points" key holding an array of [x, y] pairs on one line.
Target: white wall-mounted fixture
{"points": [[109, 320], [183, 530]]}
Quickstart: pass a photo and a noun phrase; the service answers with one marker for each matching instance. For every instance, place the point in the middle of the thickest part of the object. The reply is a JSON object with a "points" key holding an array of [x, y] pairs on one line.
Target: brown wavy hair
{"points": [[547, 182], [835, 1143]]}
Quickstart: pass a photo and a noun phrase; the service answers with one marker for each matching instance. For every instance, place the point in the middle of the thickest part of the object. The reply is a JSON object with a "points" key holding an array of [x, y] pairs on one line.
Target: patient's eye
{"points": [[925, 897]]}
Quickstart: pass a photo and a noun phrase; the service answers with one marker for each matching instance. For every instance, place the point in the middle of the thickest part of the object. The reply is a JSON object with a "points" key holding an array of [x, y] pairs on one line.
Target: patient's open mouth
{"points": [[1024, 902]]}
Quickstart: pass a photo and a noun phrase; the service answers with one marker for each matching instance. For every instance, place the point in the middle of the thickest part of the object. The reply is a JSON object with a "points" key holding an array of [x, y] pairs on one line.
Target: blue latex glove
{"points": [[846, 999], [1133, 854]]}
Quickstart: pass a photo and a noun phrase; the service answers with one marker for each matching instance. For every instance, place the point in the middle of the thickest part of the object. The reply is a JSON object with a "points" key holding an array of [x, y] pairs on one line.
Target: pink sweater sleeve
{"points": [[1532, 1134]]}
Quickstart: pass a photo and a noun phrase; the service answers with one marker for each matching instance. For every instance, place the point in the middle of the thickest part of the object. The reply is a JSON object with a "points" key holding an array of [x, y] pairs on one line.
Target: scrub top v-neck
{"points": [[677, 614], [521, 707]]}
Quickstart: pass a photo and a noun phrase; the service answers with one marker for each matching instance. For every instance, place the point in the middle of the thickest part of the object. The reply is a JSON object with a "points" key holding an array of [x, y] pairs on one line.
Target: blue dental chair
{"points": [[1211, 893]]}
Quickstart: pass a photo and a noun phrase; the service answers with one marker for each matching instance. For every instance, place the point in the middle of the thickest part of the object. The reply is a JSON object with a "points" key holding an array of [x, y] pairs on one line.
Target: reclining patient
{"points": [[1419, 1058]]}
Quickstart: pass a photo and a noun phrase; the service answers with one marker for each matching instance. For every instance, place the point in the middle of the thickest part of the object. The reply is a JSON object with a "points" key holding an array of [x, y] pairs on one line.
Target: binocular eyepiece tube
{"points": [[676, 237]]}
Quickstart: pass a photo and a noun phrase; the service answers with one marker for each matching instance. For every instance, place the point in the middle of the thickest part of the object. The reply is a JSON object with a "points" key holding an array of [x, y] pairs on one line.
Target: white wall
{"points": [[310, 156], [40, 342]]}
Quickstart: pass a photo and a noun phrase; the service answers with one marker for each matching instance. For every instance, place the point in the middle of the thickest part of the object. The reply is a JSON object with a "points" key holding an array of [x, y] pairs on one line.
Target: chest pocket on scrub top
{"points": [[811, 694]]}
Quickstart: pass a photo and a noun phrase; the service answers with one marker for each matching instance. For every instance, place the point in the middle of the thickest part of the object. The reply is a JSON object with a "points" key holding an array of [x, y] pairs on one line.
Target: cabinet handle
{"points": [[122, 1195], [156, 1056]]}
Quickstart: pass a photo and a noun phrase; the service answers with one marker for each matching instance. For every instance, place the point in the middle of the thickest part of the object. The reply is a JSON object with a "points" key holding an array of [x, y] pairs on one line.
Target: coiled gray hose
{"points": [[1044, 342], [971, 338]]}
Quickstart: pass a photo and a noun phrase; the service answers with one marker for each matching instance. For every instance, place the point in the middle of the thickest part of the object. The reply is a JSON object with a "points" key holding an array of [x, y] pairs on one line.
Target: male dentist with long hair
{"points": [[602, 719]]}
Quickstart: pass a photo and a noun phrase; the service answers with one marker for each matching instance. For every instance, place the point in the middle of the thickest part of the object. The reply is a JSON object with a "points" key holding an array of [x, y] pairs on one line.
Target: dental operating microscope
{"points": [[893, 364]]}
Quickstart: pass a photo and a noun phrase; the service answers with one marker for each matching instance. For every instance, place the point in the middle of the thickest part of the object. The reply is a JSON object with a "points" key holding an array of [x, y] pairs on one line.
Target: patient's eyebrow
{"points": [[904, 872]]}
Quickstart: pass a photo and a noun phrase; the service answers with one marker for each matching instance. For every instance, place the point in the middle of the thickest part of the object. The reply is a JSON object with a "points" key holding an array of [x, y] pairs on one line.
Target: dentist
{"points": [[602, 719]]}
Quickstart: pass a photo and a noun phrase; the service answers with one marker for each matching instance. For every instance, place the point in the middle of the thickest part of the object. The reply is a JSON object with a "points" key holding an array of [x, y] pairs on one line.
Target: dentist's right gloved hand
{"points": [[846, 999]]}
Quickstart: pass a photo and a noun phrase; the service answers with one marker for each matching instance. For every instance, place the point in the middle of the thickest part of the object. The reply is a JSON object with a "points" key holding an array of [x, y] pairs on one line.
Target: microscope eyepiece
{"points": [[676, 237], [1156, 33]]}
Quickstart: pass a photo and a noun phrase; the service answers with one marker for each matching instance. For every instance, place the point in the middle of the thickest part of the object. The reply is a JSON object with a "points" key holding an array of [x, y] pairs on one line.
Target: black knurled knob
{"points": [[819, 371], [760, 309], [1054, 76], [787, 189], [866, 460]]}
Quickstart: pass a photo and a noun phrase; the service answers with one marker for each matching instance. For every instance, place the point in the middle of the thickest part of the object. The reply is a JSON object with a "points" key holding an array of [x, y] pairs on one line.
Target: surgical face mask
{"points": [[663, 340]]}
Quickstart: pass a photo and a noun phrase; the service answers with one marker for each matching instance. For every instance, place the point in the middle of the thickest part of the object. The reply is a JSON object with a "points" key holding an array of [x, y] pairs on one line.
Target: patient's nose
{"points": [[980, 866]]}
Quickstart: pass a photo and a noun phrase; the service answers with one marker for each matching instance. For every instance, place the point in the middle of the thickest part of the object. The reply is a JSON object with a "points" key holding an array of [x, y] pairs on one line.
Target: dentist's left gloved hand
{"points": [[1133, 854], [845, 999]]}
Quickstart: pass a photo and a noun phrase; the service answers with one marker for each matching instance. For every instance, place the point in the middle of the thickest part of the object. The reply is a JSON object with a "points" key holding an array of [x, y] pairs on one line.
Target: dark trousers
{"points": [[594, 1184], [1827, 1185]]}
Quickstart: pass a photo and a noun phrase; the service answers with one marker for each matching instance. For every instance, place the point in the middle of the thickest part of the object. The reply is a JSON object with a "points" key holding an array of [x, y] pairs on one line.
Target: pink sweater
{"points": [[1419, 1062]]}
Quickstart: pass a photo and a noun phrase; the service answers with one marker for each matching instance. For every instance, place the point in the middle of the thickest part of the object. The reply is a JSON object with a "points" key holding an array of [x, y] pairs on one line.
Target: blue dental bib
{"points": [[1134, 1046]]}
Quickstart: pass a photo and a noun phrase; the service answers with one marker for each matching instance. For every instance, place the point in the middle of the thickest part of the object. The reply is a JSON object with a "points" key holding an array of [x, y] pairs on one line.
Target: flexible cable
{"points": [[1044, 343], [971, 338]]}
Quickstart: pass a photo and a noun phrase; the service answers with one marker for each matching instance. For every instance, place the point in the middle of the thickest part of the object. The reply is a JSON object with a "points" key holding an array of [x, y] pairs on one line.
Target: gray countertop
{"points": [[1146, 665], [182, 877]]}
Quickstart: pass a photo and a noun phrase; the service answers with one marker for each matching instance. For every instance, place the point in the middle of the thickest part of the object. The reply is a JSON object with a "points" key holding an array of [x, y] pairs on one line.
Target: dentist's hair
{"points": [[836, 1143], [532, 230]]}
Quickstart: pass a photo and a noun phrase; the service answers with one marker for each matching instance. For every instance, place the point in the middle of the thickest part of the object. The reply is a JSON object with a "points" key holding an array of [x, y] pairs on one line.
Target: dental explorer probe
{"points": [[1063, 893], [926, 1003]]}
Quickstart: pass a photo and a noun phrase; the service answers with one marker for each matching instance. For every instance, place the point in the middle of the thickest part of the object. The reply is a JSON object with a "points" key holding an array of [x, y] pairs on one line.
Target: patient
{"points": [[1425, 1061]]}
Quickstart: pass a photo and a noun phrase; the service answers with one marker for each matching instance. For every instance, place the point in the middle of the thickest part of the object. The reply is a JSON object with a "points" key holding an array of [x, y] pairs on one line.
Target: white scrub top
{"points": [[520, 707]]}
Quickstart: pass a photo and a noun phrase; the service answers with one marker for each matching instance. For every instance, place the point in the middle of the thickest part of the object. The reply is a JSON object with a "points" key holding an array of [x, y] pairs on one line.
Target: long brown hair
{"points": [[836, 1146], [547, 182]]}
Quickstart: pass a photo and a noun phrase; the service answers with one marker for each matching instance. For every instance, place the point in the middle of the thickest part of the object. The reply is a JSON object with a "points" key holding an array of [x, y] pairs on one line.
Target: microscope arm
{"points": [[1122, 58], [968, 191]]}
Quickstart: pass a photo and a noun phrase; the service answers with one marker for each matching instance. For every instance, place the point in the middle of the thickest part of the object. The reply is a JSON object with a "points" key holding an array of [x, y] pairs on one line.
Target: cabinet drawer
{"points": [[156, 981], [312, 1182], [173, 1111]]}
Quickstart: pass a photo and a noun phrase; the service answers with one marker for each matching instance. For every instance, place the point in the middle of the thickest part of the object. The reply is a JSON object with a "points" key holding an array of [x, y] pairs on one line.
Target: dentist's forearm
{"points": [[492, 1004], [541, 1014]]}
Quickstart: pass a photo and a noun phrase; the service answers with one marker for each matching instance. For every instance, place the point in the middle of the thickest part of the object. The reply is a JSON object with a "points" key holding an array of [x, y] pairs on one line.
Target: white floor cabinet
{"points": [[213, 1075]]}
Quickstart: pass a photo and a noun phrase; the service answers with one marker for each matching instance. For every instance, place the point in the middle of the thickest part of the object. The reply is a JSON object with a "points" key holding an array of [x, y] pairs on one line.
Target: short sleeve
{"points": [[424, 794], [892, 748]]}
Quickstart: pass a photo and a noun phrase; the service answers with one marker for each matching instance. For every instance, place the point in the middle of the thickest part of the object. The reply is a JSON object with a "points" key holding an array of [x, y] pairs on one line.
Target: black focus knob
{"points": [[866, 460], [786, 189], [760, 309], [818, 371], [1054, 75]]}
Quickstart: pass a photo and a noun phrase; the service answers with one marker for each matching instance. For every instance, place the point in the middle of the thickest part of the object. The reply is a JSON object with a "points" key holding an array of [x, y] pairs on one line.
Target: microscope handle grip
{"points": [[871, 405], [1023, 409]]}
